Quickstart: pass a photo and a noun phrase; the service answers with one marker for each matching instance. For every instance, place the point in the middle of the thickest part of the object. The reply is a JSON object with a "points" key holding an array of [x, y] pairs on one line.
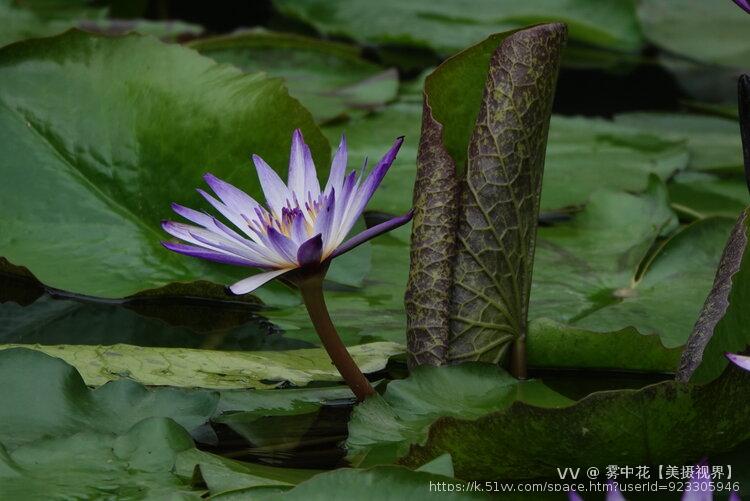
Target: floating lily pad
{"points": [[190, 368], [491, 436], [330, 79], [585, 154], [375, 484], [680, 27], [382, 429], [697, 195], [59, 438], [45, 397], [713, 142], [90, 174], [136, 464], [21, 20], [599, 272], [451, 26]]}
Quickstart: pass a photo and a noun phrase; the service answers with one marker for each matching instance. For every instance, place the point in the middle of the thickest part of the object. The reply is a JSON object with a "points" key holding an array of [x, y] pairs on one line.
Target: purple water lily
{"points": [[294, 237], [302, 226], [744, 5], [741, 361]]}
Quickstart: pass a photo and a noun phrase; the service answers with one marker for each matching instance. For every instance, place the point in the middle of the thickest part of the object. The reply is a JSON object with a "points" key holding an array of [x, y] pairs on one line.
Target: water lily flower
{"points": [[744, 5], [741, 361], [302, 225], [294, 237]]}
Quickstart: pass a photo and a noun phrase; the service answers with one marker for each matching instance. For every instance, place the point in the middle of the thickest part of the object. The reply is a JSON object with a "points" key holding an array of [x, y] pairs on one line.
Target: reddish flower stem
{"points": [[312, 294]]}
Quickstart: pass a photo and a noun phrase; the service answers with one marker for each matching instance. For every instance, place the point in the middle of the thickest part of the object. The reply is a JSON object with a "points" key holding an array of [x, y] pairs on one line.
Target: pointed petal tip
{"points": [[371, 233]]}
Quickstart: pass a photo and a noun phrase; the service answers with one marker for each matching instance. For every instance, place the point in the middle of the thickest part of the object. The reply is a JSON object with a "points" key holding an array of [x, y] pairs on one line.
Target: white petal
{"points": [[274, 188], [338, 169], [249, 284], [312, 186], [296, 179]]}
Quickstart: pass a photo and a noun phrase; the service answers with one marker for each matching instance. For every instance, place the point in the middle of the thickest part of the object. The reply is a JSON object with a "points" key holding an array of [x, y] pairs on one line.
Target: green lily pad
{"points": [[697, 195], [134, 465], [705, 57], [713, 142], [451, 26], [330, 79], [585, 154], [226, 478], [21, 20], [375, 484], [680, 27], [597, 272], [45, 397], [495, 436], [555, 345], [383, 428], [90, 173], [191, 368]]}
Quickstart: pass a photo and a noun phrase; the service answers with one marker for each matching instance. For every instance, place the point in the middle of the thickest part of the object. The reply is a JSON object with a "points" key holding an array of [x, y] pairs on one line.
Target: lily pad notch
{"points": [[477, 197]]}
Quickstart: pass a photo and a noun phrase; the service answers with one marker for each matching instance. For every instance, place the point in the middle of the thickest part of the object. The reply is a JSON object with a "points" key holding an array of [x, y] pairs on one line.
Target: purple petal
{"points": [[365, 192], [233, 197], [573, 496], [705, 493], [741, 361], [258, 260], [249, 284], [733, 496], [310, 252], [614, 494], [744, 5], [283, 245], [299, 227], [276, 192], [338, 168], [324, 221], [378, 173], [373, 232], [210, 255]]}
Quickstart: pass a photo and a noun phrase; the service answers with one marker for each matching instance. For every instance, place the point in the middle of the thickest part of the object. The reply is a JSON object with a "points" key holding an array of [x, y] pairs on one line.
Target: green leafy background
{"points": [[129, 373]]}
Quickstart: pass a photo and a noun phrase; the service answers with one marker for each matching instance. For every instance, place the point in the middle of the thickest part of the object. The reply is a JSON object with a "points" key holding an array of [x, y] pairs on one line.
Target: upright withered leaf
{"points": [[500, 197], [452, 97], [476, 197]]}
